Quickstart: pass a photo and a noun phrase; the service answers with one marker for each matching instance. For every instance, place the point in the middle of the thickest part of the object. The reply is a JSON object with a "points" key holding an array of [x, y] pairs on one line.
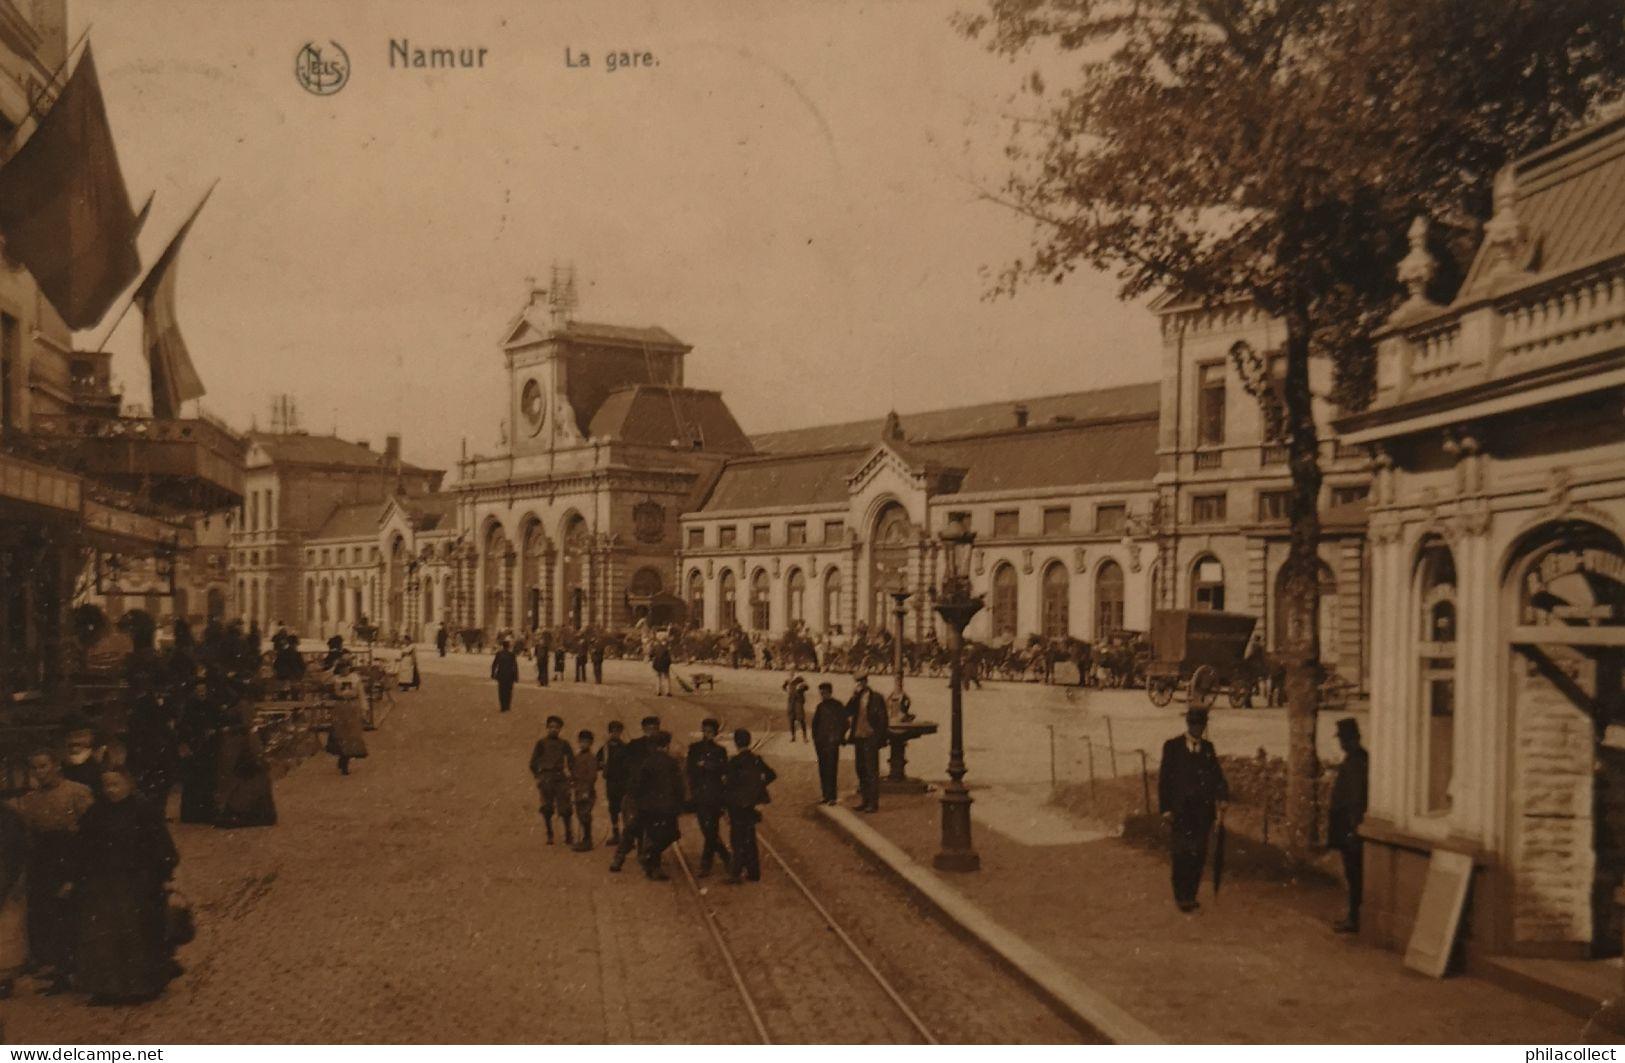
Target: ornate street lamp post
{"points": [[899, 701], [957, 606]]}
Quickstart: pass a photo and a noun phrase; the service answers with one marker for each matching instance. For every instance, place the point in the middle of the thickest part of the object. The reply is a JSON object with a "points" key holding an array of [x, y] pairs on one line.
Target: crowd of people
{"points": [[647, 788]]}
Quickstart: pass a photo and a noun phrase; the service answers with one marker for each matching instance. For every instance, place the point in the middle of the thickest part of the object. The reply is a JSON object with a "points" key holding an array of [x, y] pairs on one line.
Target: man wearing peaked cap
{"points": [[1191, 790]]}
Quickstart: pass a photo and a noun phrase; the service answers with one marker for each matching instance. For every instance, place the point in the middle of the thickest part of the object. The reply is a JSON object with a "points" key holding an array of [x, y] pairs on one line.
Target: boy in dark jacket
{"points": [[744, 786], [551, 762]]}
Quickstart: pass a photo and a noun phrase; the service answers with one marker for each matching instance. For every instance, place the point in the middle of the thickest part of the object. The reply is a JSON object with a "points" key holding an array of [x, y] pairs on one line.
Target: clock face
{"points": [[533, 404]]}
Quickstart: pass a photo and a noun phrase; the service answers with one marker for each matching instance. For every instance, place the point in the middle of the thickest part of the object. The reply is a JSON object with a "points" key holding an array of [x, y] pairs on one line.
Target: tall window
{"points": [[11, 368], [1005, 600], [1436, 649], [696, 598], [343, 598], [1207, 584], [761, 598], [1057, 602], [1210, 404], [795, 598], [253, 511], [1108, 599], [727, 600], [832, 599]]}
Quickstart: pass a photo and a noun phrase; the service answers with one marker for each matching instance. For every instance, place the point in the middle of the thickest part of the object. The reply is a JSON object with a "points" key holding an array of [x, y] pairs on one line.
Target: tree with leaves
{"points": [[1275, 153]]}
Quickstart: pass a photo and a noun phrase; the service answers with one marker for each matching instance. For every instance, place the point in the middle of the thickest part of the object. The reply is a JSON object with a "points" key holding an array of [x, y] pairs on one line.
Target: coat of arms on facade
{"points": [[649, 521]]}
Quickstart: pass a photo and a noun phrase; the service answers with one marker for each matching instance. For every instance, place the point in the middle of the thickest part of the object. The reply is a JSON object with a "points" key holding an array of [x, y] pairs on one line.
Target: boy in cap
{"points": [[584, 787], [706, 762], [744, 787], [1348, 804], [1191, 792], [829, 727], [551, 763], [612, 766]]}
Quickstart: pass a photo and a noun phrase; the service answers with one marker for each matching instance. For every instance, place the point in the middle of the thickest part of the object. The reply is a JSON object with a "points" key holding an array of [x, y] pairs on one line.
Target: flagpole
{"points": [[128, 303], [34, 105]]}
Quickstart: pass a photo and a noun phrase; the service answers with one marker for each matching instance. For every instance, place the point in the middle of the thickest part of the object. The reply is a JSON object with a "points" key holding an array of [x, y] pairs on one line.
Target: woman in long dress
{"points": [[243, 775], [345, 739], [198, 732], [126, 856], [13, 898], [406, 669]]}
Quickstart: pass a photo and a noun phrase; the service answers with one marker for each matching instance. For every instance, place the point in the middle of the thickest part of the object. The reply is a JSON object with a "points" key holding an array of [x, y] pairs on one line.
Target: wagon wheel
{"points": [[1160, 689], [1204, 687], [1241, 687]]}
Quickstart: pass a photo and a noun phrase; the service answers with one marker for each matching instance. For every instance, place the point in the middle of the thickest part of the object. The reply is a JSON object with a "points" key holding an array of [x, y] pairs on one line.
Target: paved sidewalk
{"points": [[1257, 964]]}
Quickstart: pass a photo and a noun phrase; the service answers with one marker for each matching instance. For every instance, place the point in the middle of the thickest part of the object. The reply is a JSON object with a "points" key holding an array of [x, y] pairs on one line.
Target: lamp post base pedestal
{"points": [[957, 861]]}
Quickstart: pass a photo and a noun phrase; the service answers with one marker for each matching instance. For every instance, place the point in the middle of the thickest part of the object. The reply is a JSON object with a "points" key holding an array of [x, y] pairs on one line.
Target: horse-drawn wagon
{"points": [[1198, 653]]}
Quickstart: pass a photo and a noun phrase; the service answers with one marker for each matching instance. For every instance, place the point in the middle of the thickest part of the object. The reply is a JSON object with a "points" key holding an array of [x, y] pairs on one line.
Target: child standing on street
{"points": [[584, 788], [551, 764]]}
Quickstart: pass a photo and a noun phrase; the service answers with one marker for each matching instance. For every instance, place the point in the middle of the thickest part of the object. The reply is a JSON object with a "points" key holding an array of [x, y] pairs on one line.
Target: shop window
{"points": [[1058, 520], [1207, 584], [1006, 523], [1436, 652]]}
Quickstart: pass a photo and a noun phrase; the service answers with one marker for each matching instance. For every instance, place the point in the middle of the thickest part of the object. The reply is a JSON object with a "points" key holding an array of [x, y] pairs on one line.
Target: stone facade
{"points": [[1497, 518]]}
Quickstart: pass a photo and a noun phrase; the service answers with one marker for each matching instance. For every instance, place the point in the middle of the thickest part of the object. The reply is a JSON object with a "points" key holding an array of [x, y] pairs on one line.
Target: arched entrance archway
{"points": [[1567, 691], [492, 570], [395, 611], [1109, 598], [576, 543], [530, 579], [1057, 617], [1005, 603], [888, 560], [727, 601]]}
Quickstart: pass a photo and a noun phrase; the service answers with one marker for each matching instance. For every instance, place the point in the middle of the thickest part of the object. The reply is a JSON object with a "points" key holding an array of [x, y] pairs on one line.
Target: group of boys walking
{"points": [[646, 789]]}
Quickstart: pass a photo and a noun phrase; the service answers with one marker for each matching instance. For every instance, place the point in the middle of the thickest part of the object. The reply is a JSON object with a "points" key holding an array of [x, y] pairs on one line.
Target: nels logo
{"points": [[322, 70]]}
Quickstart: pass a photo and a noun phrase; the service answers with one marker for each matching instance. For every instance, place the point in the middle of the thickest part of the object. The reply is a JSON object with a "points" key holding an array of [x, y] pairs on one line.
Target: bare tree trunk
{"points": [[1301, 581]]}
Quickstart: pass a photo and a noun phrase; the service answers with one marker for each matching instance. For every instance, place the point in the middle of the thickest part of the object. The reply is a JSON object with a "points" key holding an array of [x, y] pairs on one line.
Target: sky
{"points": [[793, 190]]}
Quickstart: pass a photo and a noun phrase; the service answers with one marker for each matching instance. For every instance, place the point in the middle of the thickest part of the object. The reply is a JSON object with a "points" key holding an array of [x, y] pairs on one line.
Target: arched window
{"points": [[696, 598], [795, 598], [254, 601], [1005, 600], [832, 599], [727, 600], [1436, 651], [310, 599], [1108, 599], [1057, 602], [645, 583], [343, 597], [1207, 584], [761, 597]]}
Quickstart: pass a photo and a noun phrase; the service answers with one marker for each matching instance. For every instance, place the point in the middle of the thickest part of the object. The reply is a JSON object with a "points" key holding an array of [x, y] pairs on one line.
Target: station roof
{"points": [[1125, 401], [351, 520], [301, 448], [655, 415]]}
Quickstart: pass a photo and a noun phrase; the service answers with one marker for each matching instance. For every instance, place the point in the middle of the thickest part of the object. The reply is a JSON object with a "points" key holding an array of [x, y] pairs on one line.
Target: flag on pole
{"points": [[64, 211], [174, 378]]}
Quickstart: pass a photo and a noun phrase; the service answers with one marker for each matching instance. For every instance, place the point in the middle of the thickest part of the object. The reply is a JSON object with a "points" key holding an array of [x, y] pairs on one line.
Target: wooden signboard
{"points": [[1438, 917]]}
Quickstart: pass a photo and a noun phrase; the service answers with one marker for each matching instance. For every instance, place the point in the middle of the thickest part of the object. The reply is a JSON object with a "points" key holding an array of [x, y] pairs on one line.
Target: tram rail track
{"points": [[737, 971]]}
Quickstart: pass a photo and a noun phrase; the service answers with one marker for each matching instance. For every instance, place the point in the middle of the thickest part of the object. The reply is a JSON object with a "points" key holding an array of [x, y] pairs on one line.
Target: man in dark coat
{"points": [[581, 645], [657, 787], [1191, 791], [441, 637], [830, 724], [612, 766], [544, 645], [505, 670], [631, 822], [706, 762], [744, 786], [867, 711], [598, 660], [1349, 795]]}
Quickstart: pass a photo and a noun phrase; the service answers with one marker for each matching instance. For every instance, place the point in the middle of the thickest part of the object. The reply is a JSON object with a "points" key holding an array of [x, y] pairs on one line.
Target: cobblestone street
{"points": [[416, 900]]}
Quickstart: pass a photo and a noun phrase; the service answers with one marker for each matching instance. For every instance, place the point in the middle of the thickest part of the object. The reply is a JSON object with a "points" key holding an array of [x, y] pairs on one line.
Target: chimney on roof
{"points": [[392, 449], [1021, 414]]}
